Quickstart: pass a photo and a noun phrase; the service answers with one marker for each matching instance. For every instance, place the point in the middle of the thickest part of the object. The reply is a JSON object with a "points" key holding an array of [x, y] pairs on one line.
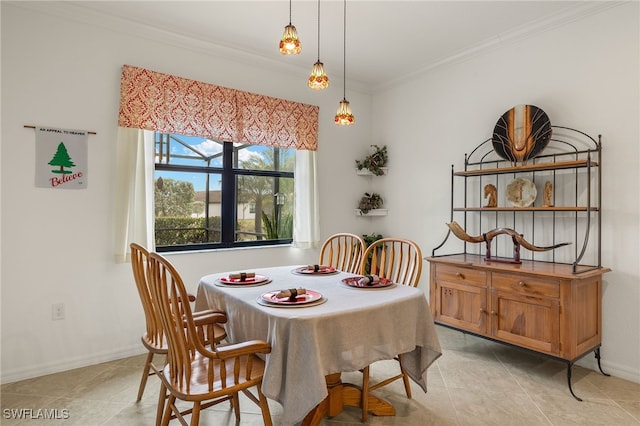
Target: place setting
{"points": [[368, 282], [242, 279], [291, 298], [315, 270]]}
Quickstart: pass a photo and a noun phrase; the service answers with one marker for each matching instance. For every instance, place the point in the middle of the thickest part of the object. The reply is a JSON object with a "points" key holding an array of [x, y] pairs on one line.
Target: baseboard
{"points": [[69, 364], [616, 370]]}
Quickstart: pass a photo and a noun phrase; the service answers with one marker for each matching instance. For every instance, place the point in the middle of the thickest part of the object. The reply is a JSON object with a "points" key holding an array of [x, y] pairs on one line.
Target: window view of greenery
{"points": [[211, 194]]}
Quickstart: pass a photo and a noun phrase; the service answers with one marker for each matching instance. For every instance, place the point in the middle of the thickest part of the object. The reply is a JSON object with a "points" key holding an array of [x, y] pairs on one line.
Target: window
{"points": [[211, 194]]}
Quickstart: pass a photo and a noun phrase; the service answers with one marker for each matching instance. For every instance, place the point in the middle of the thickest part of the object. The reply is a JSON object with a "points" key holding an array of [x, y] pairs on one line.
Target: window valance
{"points": [[161, 102]]}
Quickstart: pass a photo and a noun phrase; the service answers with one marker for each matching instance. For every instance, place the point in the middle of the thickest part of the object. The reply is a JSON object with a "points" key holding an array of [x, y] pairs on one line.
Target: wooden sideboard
{"points": [[540, 306]]}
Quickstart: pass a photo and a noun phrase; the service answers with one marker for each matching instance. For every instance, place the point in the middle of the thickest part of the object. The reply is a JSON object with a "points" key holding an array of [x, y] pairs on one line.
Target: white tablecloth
{"points": [[352, 329]]}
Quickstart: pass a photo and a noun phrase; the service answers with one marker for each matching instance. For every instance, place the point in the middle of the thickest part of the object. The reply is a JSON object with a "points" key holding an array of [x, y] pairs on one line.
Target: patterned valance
{"points": [[161, 102]]}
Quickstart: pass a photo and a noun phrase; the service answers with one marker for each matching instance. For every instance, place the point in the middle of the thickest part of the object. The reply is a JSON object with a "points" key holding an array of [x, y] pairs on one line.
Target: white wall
{"points": [[57, 245], [584, 75]]}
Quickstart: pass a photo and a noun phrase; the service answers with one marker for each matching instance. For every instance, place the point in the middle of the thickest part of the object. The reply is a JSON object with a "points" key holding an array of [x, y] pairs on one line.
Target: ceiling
{"points": [[386, 41]]}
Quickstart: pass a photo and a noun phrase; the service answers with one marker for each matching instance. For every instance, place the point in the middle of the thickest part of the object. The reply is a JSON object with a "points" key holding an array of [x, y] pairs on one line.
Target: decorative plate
{"points": [[310, 270], [521, 192], [354, 282], [521, 133]]}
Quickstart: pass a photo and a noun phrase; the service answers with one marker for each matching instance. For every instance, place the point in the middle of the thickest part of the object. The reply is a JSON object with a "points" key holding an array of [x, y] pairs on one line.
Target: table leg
{"points": [[341, 395]]}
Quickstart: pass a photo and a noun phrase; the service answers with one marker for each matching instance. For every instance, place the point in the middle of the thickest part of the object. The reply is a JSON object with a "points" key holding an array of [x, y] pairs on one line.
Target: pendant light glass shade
{"points": [[318, 79], [344, 117], [290, 43]]}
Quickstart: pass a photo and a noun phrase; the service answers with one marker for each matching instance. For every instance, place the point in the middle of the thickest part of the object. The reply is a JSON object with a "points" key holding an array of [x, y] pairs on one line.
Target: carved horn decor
{"points": [[518, 240]]}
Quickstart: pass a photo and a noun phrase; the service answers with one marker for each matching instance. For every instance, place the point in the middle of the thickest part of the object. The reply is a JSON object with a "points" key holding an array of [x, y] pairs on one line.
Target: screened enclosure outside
{"points": [[211, 194]]}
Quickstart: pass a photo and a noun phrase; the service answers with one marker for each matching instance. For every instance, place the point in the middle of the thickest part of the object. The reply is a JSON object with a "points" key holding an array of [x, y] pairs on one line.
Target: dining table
{"points": [[336, 325]]}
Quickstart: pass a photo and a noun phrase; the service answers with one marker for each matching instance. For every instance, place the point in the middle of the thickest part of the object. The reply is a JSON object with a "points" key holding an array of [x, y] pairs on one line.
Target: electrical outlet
{"points": [[57, 311]]}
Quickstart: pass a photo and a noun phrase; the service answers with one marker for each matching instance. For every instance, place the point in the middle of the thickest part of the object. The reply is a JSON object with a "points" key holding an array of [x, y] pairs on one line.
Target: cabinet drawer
{"points": [[526, 285], [457, 274]]}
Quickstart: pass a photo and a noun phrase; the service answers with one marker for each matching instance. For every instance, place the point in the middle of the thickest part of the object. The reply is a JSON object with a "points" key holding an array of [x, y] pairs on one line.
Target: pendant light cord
{"points": [[289, 12], [318, 30], [344, 52]]}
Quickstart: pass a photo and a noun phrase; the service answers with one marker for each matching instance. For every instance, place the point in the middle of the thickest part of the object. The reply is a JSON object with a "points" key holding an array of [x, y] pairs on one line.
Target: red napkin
{"points": [[291, 293], [369, 280], [318, 268], [243, 276]]}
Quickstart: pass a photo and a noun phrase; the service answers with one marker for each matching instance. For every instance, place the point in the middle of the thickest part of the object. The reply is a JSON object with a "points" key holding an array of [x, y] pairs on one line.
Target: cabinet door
{"points": [[527, 321], [462, 306]]}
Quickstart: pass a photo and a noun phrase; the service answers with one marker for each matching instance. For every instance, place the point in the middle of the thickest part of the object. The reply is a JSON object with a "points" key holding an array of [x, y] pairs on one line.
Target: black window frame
{"points": [[229, 175]]}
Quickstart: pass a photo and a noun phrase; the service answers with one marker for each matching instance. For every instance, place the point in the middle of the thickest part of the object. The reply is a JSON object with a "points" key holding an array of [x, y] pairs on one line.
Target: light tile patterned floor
{"points": [[475, 382]]}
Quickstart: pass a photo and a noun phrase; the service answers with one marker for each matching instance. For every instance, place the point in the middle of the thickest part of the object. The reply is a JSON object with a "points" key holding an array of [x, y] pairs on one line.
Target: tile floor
{"points": [[475, 382]]}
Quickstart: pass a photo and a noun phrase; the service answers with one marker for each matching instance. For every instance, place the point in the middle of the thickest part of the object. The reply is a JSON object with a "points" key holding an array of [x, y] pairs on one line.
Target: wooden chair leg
{"points": [[145, 375], [365, 394], [162, 397], [166, 416], [195, 414], [264, 407], [235, 403]]}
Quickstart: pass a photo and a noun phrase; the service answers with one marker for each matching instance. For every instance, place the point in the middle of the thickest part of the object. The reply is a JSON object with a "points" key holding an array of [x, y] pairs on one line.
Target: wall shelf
{"points": [[371, 213], [366, 172], [526, 209], [559, 165]]}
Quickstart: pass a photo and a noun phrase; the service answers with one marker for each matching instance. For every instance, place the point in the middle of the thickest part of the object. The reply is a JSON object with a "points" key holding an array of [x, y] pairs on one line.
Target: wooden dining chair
{"points": [[195, 373], [153, 339], [343, 251], [400, 261]]}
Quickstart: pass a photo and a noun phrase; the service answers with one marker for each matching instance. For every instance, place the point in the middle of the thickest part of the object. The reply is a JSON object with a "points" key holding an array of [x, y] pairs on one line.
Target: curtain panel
{"points": [[133, 206], [165, 103]]}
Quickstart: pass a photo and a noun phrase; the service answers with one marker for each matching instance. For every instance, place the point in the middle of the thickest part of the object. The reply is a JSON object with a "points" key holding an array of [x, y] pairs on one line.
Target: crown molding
{"points": [[515, 35], [75, 11]]}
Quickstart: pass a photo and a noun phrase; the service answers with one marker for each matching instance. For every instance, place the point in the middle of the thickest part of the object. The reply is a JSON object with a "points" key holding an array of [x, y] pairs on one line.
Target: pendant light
{"points": [[318, 79], [290, 44], [344, 117]]}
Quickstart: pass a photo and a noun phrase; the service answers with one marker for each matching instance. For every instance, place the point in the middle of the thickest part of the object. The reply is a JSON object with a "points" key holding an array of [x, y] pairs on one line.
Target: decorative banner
{"points": [[61, 158]]}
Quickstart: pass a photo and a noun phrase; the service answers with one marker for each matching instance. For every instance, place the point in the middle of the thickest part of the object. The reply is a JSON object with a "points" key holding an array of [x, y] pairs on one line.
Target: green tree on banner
{"points": [[61, 159]]}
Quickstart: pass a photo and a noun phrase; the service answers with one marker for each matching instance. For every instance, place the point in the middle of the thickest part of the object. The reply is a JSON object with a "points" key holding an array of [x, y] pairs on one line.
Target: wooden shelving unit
{"points": [[551, 307]]}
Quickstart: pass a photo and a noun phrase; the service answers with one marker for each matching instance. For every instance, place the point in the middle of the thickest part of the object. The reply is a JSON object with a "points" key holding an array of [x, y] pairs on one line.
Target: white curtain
{"points": [[306, 232], [134, 214]]}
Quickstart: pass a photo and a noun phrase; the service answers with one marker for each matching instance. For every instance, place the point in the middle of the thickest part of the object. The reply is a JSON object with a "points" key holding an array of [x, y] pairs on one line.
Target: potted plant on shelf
{"points": [[370, 201], [374, 162]]}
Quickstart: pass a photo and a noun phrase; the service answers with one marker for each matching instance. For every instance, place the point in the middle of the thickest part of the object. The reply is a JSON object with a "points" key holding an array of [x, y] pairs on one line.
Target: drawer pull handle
{"points": [[494, 313], [459, 275], [522, 284], [483, 311]]}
